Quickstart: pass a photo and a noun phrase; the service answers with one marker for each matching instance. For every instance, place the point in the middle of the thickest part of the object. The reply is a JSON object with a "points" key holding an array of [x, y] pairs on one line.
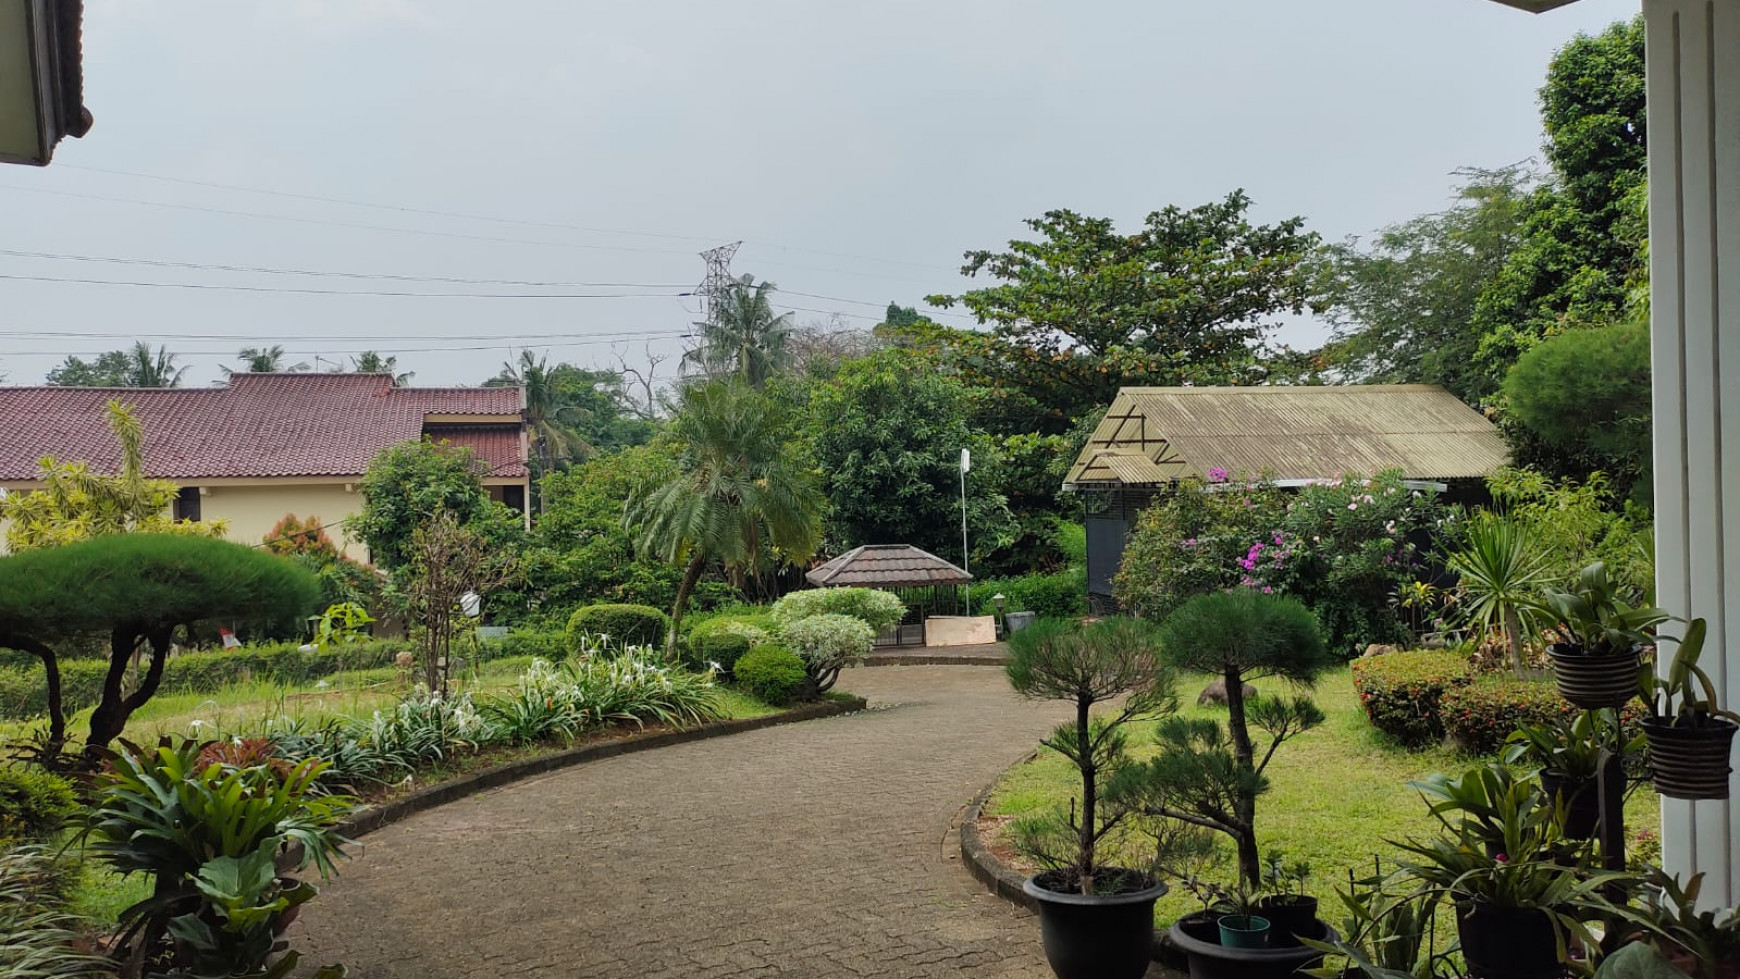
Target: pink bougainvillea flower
{"points": [[1217, 475]]}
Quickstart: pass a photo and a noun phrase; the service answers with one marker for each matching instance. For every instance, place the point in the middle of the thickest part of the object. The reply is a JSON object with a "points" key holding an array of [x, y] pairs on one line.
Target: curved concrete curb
{"points": [[1002, 880], [369, 820]]}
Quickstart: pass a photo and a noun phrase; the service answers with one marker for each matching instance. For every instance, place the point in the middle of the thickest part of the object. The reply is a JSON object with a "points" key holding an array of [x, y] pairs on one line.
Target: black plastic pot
{"points": [[1594, 682], [1690, 762], [1095, 937], [1289, 917], [1198, 937], [1507, 943], [1581, 800]]}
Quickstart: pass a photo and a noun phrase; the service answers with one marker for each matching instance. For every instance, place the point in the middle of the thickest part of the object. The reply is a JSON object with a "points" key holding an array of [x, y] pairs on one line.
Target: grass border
{"points": [[997, 876], [441, 793]]}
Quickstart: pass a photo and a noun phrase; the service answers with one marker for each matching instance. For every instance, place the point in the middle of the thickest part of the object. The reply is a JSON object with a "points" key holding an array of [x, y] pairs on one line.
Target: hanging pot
{"points": [[1507, 943], [1581, 801], [1594, 682], [1690, 762]]}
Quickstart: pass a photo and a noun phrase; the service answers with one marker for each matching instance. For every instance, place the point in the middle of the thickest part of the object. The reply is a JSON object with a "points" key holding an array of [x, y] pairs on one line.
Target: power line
{"points": [[395, 350], [265, 270], [472, 216], [224, 287], [380, 337], [424, 232]]}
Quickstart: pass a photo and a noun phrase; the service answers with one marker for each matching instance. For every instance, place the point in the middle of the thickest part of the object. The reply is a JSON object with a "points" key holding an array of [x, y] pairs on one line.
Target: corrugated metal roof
{"points": [[887, 566], [1289, 433]]}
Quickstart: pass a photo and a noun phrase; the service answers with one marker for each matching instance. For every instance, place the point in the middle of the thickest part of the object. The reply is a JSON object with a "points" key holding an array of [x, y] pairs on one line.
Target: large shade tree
{"points": [[740, 495], [136, 367], [133, 591], [1084, 308]]}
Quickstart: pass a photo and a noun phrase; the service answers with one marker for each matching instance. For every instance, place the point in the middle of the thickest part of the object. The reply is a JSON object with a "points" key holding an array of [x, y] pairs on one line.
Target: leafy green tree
{"points": [[748, 339], [265, 360], [76, 504], [1404, 304], [135, 590], [407, 484], [1586, 393], [109, 370], [739, 496], [887, 436], [1085, 309], [1583, 232]]}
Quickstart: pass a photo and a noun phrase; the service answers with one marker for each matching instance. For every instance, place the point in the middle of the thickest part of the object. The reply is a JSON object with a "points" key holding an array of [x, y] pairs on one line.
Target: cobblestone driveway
{"points": [[808, 850]]}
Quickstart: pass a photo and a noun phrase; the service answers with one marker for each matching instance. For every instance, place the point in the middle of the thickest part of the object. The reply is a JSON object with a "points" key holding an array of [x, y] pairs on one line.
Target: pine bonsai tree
{"points": [[1210, 774]]}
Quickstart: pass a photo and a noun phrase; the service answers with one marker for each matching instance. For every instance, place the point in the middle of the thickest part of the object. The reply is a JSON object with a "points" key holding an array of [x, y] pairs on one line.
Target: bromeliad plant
{"points": [[1088, 666], [1601, 640], [210, 823]]}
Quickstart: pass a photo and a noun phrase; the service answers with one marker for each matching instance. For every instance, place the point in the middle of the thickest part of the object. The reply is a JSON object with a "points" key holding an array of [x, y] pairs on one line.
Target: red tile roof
{"points": [[259, 425]]}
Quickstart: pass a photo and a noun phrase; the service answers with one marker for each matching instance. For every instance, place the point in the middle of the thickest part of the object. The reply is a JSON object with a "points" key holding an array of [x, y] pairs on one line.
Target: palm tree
{"points": [[148, 370], [549, 419], [371, 362], [1502, 571], [265, 360], [746, 338], [739, 497]]}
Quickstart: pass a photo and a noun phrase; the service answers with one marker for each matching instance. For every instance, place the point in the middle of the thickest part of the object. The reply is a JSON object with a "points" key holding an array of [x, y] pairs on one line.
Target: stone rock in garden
{"points": [[1215, 693], [1377, 649]]}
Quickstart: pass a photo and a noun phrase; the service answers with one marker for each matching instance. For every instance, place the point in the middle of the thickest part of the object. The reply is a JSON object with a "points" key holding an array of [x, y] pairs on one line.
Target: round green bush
{"points": [[1402, 691], [772, 673], [1479, 715], [33, 805], [626, 625], [721, 646], [879, 610], [827, 643]]}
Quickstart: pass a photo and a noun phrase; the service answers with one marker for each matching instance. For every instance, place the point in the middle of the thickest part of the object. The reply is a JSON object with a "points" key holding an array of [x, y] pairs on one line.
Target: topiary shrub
{"points": [[1058, 595], [1480, 715], [1401, 691], [773, 673], [827, 644], [717, 649], [541, 643], [630, 625], [879, 610], [33, 806]]}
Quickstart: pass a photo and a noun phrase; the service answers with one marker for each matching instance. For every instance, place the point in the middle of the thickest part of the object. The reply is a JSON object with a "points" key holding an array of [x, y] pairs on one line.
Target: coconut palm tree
{"points": [[264, 360], [152, 370], [740, 495], [746, 338], [549, 418], [371, 362]]}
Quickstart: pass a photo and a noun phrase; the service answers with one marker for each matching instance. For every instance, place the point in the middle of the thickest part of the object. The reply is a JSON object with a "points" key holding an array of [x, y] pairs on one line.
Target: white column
{"points": [[1694, 223]]}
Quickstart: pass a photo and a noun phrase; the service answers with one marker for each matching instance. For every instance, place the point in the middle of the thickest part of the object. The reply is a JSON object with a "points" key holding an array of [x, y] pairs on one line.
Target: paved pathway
{"points": [[807, 850]]}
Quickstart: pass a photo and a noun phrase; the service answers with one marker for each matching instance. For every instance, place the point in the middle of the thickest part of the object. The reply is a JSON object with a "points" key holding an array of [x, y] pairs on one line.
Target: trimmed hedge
{"points": [[879, 610], [33, 805], [1059, 595], [631, 625], [1401, 691], [772, 673], [24, 694], [720, 646], [541, 643], [1479, 715]]}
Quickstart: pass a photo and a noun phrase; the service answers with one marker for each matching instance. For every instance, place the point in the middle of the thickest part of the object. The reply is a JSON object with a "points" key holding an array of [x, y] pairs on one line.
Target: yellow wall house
{"points": [[266, 445]]}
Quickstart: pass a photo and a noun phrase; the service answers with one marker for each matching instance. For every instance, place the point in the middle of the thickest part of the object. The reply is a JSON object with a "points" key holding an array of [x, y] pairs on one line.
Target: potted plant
{"points": [[1500, 862], [1568, 756], [1388, 930], [1234, 912], [1595, 661], [1209, 774], [212, 824], [1701, 944], [1291, 911], [1690, 736], [1097, 921]]}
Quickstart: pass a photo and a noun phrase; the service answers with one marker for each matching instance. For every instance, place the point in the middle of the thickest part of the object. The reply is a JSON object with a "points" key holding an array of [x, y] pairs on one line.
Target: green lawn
{"points": [[1338, 792]]}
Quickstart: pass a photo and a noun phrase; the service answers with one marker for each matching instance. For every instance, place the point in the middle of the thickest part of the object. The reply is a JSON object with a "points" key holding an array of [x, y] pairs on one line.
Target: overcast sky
{"points": [[856, 149]]}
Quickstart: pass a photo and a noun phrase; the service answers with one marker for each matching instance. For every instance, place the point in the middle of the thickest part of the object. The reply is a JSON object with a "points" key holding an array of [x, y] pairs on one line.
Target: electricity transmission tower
{"points": [[718, 281]]}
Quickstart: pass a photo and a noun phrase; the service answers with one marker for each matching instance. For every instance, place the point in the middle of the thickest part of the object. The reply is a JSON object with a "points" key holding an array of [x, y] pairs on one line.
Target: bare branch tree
{"points": [[643, 392], [448, 559]]}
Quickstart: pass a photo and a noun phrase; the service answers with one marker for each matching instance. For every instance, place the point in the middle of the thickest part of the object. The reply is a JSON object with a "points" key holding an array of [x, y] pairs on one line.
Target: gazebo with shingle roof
{"points": [[926, 583]]}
